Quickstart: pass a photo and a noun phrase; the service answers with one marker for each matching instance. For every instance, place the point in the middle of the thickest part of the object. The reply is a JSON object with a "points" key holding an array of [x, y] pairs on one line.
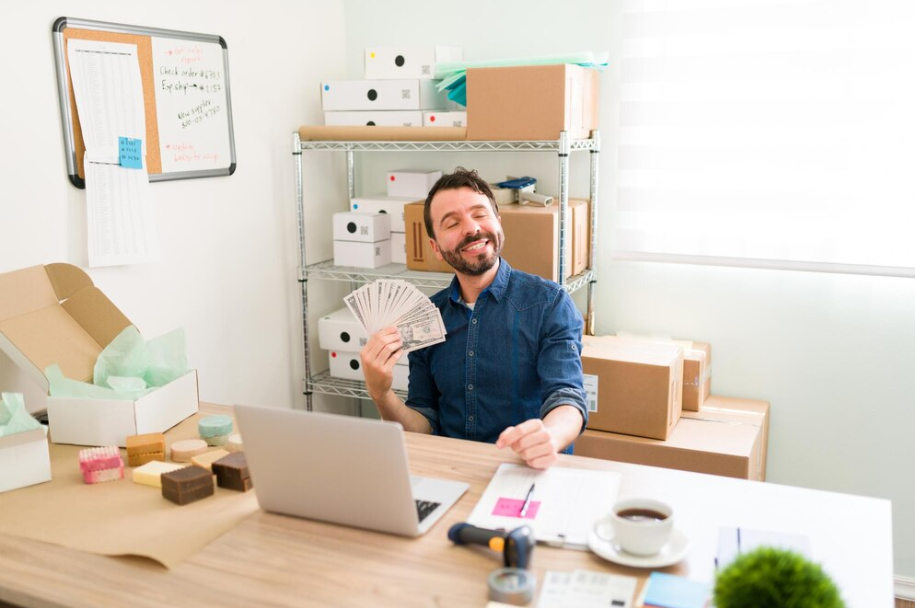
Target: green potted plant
{"points": [[769, 577]]}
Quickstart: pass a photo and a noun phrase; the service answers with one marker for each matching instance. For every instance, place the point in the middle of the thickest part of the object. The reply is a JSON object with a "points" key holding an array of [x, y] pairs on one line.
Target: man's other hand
{"points": [[379, 356], [532, 441]]}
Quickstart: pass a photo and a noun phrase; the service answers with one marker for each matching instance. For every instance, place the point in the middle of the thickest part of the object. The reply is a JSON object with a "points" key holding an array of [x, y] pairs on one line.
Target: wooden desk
{"points": [[271, 560]]}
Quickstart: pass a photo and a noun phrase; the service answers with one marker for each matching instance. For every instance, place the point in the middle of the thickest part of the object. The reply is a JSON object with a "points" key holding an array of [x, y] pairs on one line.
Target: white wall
{"points": [[832, 353], [228, 272]]}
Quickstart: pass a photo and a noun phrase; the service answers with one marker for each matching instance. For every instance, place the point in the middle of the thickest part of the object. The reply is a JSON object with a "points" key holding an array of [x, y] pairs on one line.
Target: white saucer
{"points": [[671, 553]]}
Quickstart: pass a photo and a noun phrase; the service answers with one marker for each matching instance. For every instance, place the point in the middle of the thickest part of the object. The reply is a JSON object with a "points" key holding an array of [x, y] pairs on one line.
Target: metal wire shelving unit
{"points": [[322, 382]]}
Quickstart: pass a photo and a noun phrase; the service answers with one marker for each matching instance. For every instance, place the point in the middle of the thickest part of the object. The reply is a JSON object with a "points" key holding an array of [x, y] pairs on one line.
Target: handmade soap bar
{"points": [[101, 464], [145, 448], [232, 472], [187, 485], [183, 451], [233, 443], [205, 460], [217, 440], [214, 426], [150, 474]]}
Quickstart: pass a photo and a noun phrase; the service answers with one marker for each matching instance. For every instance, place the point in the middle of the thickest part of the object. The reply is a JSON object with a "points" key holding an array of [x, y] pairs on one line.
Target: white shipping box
{"points": [[444, 119], [348, 365], [24, 459], [362, 227], [362, 255], [408, 61], [411, 184], [339, 95], [392, 205], [54, 314], [340, 331], [374, 118], [398, 248]]}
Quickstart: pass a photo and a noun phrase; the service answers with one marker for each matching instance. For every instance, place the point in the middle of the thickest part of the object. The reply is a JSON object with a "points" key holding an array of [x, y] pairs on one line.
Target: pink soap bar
{"points": [[511, 507], [101, 464]]}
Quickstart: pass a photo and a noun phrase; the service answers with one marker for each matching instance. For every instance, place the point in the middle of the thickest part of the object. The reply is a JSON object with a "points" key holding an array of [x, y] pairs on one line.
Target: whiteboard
{"points": [[186, 92]]}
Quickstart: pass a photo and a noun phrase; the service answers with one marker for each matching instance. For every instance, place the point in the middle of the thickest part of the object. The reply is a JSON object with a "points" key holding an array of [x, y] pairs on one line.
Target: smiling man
{"points": [[509, 371]]}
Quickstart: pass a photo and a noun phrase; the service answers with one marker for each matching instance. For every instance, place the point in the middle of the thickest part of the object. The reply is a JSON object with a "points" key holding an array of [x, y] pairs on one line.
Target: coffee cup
{"points": [[638, 526]]}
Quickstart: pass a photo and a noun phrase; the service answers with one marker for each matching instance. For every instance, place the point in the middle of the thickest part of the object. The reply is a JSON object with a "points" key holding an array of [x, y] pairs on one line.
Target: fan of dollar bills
{"points": [[390, 302]]}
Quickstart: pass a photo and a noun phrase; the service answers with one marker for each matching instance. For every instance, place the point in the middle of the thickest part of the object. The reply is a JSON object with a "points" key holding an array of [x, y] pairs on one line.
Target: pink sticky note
{"points": [[511, 507]]}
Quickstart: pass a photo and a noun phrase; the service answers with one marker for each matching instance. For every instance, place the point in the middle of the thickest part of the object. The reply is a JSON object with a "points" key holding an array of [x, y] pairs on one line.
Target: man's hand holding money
{"points": [[379, 356]]}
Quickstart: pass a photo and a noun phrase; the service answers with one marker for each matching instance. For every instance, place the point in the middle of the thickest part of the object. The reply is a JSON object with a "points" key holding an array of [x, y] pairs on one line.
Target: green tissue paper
{"points": [[13, 416], [128, 368]]}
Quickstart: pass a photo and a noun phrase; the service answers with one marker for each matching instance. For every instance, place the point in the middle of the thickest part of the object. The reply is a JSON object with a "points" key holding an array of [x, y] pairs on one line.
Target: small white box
{"points": [[377, 118], [362, 227], [411, 184], [346, 365], [398, 248], [340, 95], [362, 255], [408, 62], [340, 330], [391, 205], [24, 459], [444, 119], [110, 421]]}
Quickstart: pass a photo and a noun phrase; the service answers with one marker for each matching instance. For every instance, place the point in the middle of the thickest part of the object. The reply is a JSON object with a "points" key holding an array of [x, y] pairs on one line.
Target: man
{"points": [[509, 371]]}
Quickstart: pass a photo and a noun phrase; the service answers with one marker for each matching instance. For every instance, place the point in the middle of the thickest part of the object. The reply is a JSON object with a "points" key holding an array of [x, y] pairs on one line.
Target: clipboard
{"points": [[563, 509]]}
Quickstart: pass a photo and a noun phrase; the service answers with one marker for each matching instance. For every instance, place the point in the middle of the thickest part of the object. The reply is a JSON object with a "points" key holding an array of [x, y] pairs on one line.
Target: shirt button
{"points": [[470, 353], [470, 418], [474, 321], [469, 387]]}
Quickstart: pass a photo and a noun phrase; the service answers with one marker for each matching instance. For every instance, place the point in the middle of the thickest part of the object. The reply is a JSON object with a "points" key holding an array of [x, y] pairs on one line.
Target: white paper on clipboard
{"points": [[564, 506]]}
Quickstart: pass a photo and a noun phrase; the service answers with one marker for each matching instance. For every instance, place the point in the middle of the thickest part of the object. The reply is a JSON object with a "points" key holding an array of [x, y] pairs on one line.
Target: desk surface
{"points": [[281, 561]]}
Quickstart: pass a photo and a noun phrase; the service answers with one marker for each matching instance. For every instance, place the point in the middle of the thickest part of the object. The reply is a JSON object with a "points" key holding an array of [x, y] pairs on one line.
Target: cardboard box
{"points": [[398, 248], [24, 459], [362, 227], [350, 95], [581, 235], [697, 364], [374, 118], [414, 185], [362, 255], [729, 437], [392, 205], [55, 314], [532, 237], [384, 62], [419, 252], [635, 389], [444, 119], [532, 102]]}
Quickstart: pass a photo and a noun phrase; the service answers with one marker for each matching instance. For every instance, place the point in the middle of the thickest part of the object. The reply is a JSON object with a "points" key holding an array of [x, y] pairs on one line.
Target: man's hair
{"points": [[461, 178]]}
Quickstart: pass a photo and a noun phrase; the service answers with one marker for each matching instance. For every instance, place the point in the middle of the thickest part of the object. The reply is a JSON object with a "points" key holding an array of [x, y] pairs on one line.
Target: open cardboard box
{"points": [[55, 314]]}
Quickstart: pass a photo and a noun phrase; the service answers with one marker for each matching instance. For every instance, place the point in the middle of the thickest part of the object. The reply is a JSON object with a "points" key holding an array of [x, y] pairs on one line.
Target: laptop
{"points": [[340, 469]]}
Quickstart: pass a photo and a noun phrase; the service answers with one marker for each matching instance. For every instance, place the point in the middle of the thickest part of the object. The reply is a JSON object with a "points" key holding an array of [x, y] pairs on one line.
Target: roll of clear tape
{"points": [[513, 586]]}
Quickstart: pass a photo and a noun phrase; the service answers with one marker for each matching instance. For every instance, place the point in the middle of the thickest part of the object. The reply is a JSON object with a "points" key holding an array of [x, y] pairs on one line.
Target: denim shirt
{"points": [[515, 356]]}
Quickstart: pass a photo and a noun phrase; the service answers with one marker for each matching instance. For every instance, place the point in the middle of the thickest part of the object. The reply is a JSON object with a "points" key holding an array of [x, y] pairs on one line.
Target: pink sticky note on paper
{"points": [[511, 507]]}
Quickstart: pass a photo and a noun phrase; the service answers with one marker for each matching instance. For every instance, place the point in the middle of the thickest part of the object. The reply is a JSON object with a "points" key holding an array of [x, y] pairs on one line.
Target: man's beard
{"points": [[481, 263]]}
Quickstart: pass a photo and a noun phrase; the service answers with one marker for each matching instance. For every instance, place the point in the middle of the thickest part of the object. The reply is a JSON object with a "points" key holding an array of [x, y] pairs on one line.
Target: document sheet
{"points": [[563, 506], [586, 589]]}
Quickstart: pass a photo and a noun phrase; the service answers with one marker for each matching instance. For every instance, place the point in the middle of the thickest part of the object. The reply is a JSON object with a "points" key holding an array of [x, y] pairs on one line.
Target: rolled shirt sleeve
{"points": [[423, 395], [559, 360]]}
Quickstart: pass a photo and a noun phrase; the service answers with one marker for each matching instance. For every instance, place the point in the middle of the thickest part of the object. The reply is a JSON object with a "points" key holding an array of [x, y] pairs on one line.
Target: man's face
{"points": [[468, 234]]}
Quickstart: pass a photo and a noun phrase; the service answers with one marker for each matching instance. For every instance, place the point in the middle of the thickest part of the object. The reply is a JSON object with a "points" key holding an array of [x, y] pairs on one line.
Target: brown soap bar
{"points": [[187, 485], [145, 448], [232, 472]]}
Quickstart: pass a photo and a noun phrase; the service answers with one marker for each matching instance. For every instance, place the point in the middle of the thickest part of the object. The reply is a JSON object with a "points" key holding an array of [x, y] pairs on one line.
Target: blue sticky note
{"points": [[130, 152], [671, 591]]}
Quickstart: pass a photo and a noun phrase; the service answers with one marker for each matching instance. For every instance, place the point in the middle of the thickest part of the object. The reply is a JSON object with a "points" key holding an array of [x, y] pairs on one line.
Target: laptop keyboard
{"points": [[424, 507]]}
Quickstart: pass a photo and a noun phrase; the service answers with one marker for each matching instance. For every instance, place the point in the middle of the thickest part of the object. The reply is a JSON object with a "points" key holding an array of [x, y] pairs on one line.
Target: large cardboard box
{"points": [[728, 437], [635, 389], [532, 102], [55, 314], [419, 252], [697, 364], [581, 235]]}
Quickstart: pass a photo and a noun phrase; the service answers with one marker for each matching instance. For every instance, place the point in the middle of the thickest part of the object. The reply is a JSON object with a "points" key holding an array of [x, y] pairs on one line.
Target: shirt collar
{"points": [[496, 288]]}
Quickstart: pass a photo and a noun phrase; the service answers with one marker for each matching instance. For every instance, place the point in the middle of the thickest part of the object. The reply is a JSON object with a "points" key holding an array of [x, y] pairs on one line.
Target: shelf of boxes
{"points": [[323, 382]]}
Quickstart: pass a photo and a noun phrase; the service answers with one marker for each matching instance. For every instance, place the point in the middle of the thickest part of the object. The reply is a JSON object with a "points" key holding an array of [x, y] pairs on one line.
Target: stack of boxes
{"points": [[650, 403], [398, 91], [343, 336]]}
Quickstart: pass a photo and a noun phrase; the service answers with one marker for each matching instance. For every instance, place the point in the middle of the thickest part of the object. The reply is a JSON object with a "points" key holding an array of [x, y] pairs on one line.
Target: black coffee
{"points": [[645, 515]]}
